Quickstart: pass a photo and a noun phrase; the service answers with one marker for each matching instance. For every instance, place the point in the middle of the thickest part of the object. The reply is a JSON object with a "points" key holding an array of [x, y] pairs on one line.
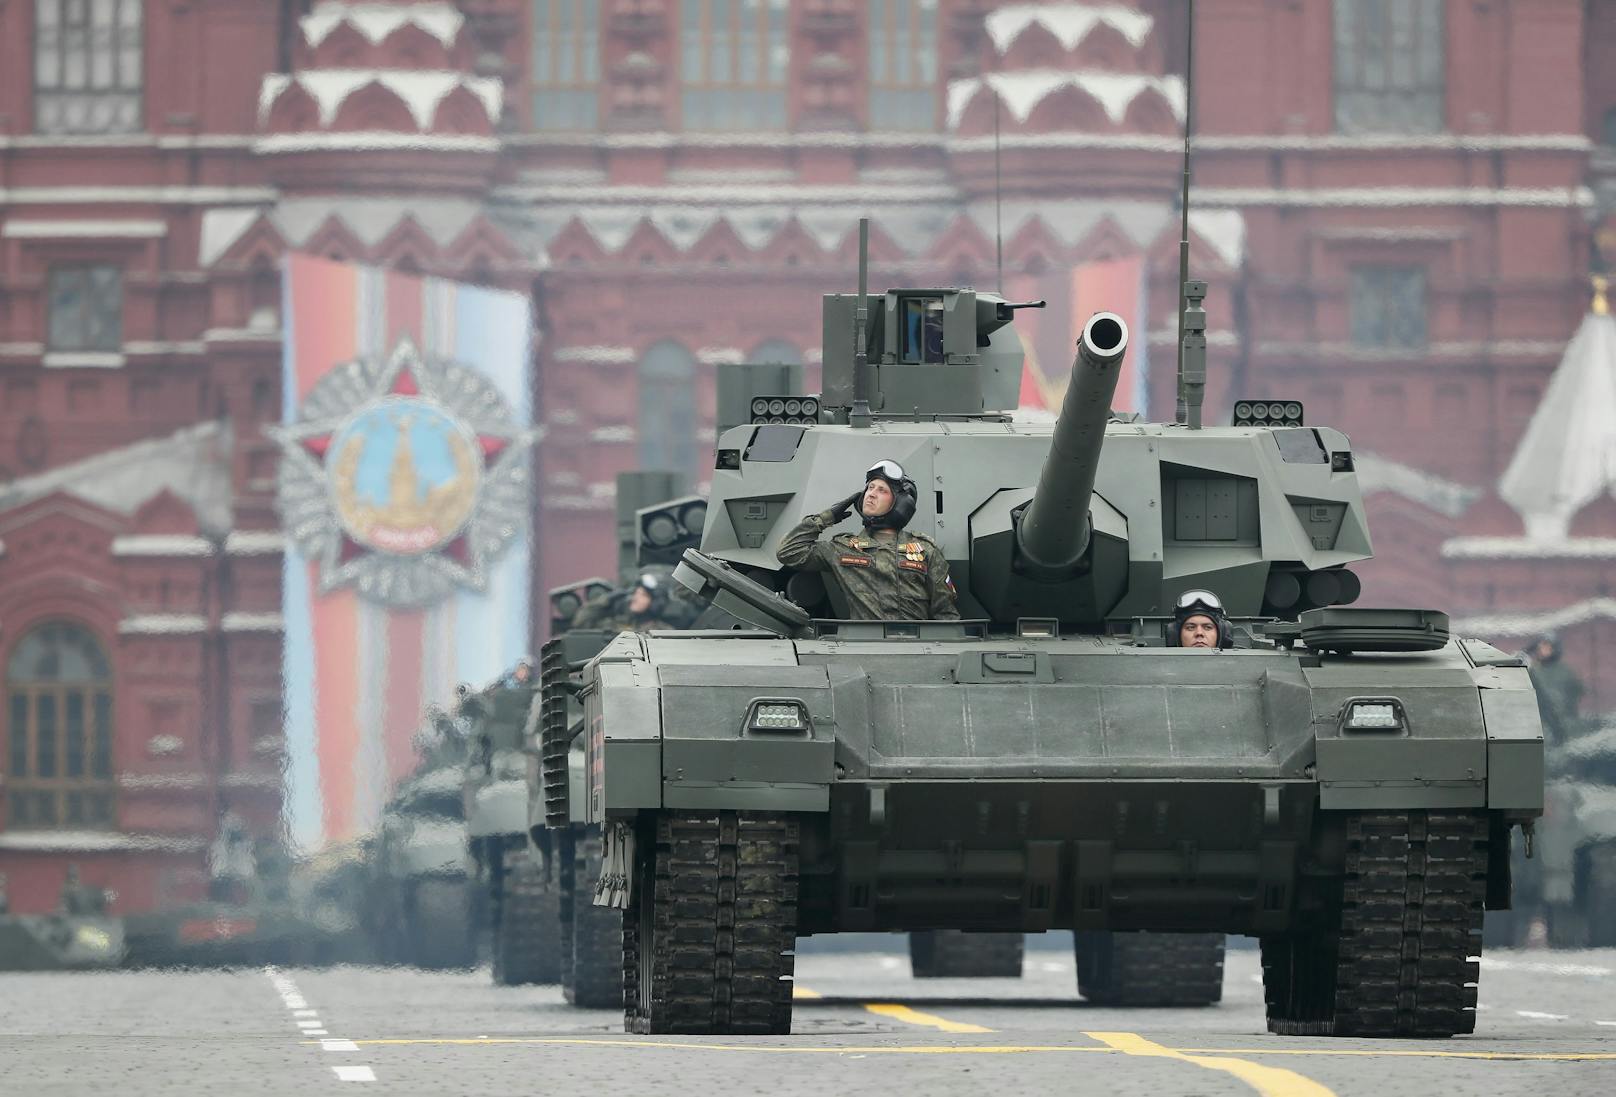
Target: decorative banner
{"points": [[404, 492], [1050, 334]]}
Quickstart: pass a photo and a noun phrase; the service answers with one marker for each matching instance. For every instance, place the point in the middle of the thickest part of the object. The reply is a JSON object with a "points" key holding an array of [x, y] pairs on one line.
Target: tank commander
{"points": [[78, 898], [885, 571], [1199, 621], [640, 608]]}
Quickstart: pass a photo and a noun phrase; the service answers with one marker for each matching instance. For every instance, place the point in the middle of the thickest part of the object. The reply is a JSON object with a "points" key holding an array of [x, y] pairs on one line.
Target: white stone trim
{"points": [[240, 335], [1129, 142], [167, 346], [251, 780], [255, 542], [22, 348], [161, 544], [1457, 349], [95, 229], [73, 359], [767, 139], [1578, 197], [127, 141], [718, 197], [420, 90], [1023, 89], [367, 141], [145, 782], [720, 356], [1390, 142], [96, 841], [174, 195], [162, 624], [1530, 623], [593, 354], [252, 622], [1529, 548], [378, 20], [613, 434], [1070, 23]]}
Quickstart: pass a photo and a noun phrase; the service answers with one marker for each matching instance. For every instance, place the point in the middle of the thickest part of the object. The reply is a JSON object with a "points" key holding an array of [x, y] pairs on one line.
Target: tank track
{"points": [[1393, 955], [594, 968], [955, 954], [527, 923], [554, 734], [711, 930], [1149, 969]]}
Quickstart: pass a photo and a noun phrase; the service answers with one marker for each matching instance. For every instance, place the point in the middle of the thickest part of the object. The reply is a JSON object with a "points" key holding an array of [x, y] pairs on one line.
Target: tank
{"points": [[1566, 892], [421, 906], [1050, 761], [60, 942]]}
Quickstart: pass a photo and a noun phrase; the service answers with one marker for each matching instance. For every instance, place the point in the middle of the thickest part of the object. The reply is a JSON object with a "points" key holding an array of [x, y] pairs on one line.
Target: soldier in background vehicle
{"points": [[639, 608], [886, 572], [79, 898], [1559, 690], [230, 861], [1200, 622]]}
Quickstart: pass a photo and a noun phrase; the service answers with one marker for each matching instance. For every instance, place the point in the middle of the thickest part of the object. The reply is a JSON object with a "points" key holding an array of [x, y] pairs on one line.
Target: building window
{"points": [[87, 66], [566, 64], [668, 409], [1388, 307], [1389, 75], [58, 731], [903, 64], [86, 309], [734, 62]]}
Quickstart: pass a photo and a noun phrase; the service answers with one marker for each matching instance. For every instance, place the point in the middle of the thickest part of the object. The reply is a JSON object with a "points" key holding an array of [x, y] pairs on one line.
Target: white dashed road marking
{"points": [[1535, 1015], [1541, 968], [309, 1023]]}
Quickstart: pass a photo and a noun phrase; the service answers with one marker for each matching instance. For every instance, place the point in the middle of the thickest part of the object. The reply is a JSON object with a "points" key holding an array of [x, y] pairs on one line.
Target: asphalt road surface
{"points": [[862, 1026]]}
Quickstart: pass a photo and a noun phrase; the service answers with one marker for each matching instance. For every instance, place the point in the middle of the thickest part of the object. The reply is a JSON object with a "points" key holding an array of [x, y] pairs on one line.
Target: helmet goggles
{"points": [[1203, 600], [886, 470]]}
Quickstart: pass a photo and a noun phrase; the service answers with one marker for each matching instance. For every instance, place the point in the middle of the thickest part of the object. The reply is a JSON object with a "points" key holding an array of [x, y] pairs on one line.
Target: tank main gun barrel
{"points": [[1054, 530]]}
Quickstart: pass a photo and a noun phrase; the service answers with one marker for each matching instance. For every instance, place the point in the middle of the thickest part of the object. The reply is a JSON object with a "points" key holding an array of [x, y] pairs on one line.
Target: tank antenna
{"points": [[998, 205], [859, 415], [1191, 373]]}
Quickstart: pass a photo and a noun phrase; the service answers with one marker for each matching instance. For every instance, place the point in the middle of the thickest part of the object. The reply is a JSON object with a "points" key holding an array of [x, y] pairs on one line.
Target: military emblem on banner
{"points": [[403, 477]]}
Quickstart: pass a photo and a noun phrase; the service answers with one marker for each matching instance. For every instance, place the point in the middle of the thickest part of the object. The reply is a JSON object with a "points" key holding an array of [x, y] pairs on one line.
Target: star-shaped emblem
{"points": [[403, 476]]}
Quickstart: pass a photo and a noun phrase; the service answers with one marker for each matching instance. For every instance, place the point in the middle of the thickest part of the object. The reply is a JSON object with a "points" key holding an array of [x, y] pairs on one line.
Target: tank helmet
{"points": [[1201, 603], [1550, 638], [904, 496], [649, 582]]}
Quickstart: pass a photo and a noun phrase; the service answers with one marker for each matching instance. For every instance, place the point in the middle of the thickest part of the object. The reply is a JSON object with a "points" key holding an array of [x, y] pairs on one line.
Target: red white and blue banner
{"points": [[404, 493], [1050, 334]]}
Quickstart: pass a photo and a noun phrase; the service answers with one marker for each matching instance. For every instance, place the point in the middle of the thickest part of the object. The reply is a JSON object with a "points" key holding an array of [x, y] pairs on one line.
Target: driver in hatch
{"points": [[887, 573], [1200, 622]]}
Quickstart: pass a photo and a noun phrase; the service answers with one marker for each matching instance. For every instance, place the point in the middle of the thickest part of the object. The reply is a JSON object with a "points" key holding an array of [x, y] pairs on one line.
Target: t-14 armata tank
{"points": [[1340, 782]]}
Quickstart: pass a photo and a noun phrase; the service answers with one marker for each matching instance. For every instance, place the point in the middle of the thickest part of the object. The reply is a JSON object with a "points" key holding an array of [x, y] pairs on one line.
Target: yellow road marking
{"points": [[914, 1017], [990, 1049], [1267, 1081], [800, 992]]}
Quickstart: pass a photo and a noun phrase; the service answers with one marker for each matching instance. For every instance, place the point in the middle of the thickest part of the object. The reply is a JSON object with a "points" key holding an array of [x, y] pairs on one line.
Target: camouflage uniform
{"points": [[903, 578], [611, 612]]}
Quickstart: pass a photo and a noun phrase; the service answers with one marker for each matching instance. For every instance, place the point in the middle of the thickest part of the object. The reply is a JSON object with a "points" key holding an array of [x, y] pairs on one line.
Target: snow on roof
{"points": [[1378, 474], [193, 463], [1567, 456], [1536, 622], [1070, 23], [420, 89], [1022, 91], [377, 20]]}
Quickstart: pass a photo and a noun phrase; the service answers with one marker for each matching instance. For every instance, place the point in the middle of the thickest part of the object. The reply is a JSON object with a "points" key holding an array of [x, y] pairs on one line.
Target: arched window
{"points": [[776, 352], [667, 425], [58, 730]]}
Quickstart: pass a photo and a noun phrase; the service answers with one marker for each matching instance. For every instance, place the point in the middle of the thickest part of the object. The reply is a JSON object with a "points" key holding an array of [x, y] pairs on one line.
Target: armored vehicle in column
{"points": [[1340, 782]]}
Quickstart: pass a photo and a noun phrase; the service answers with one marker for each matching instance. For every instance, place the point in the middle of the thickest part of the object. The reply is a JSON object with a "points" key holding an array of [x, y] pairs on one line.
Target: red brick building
{"points": [[1397, 205]]}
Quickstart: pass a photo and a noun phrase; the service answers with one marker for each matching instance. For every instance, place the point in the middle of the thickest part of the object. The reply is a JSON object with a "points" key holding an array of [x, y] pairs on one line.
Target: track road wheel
{"points": [[438, 924], [1149, 969], [955, 954], [595, 975], [527, 923], [1392, 952], [711, 931]]}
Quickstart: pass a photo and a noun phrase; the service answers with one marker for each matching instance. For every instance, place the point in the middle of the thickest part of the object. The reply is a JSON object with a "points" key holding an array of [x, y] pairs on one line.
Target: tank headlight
{"points": [[565, 605], [1378, 715], [694, 517], [778, 716], [760, 406]]}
